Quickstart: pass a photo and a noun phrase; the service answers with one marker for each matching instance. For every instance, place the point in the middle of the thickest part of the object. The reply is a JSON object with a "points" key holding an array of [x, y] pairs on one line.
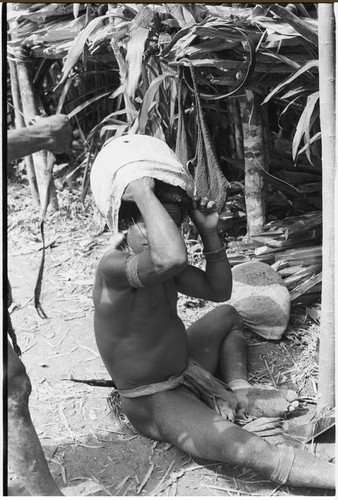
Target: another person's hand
{"points": [[203, 213], [138, 186], [53, 133], [57, 130]]}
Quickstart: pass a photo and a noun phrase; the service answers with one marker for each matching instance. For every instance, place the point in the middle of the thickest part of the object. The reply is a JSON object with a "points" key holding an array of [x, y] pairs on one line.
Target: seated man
{"points": [[25, 455], [165, 373]]}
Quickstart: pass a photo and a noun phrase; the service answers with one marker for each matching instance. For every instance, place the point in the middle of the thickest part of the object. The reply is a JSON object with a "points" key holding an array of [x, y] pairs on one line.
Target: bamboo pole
{"points": [[19, 123], [30, 110], [327, 78]]}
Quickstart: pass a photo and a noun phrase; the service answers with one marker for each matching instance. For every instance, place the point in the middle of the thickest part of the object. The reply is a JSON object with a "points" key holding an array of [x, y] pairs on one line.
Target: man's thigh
{"points": [[181, 418]]}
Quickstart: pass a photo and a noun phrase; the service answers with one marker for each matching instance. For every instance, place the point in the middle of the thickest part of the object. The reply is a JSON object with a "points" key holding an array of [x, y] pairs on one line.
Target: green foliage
{"points": [[121, 62]]}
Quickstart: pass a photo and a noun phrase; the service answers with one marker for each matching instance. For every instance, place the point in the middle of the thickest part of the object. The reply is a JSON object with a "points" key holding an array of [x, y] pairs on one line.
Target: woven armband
{"points": [[131, 272], [286, 456]]}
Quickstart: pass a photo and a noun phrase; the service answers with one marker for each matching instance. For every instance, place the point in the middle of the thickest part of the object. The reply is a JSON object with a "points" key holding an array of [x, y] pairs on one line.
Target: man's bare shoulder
{"points": [[112, 265], [110, 256]]}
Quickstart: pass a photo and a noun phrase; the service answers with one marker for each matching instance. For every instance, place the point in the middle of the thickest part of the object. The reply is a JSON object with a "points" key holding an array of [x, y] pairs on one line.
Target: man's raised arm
{"points": [[215, 283], [166, 254]]}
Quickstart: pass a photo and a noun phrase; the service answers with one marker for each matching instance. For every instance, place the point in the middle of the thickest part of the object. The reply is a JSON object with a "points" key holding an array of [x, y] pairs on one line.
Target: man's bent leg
{"points": [[206, 338], [217, 342], [178, 417], [25, 455]]}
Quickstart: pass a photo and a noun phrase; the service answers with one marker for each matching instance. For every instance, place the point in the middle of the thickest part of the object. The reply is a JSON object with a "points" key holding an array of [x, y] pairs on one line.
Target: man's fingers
{"points": [[203, 202], [211, 205], [204, 205]]}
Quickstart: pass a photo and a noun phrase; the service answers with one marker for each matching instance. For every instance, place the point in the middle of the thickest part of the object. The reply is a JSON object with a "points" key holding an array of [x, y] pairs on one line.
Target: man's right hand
{"points": [[138, 187]]}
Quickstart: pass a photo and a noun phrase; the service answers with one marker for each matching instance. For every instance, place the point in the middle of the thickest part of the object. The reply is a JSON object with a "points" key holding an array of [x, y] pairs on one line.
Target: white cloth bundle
{"points": [[126, 159]]}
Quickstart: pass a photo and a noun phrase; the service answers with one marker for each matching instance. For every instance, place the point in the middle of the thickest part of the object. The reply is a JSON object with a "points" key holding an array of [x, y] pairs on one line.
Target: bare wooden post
{"points": [[327, 79], [256, 164]]}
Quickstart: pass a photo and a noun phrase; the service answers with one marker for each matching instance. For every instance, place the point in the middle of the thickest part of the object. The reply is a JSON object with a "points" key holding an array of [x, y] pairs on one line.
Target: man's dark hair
{"points": [[166, 193]]}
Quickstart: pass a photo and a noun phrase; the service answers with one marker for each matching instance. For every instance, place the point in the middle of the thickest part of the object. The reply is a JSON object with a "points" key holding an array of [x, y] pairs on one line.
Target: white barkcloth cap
{"points": [[126, 159]]}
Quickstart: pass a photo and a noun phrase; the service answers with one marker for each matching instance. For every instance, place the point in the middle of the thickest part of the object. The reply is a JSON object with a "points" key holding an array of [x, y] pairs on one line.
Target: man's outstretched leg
{"points": [[180, 418], [25, 455], [217, 342]]}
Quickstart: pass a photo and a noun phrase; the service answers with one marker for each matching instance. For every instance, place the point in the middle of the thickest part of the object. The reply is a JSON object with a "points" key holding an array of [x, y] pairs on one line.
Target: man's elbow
{"points": [[172, 264], [221, 295]]}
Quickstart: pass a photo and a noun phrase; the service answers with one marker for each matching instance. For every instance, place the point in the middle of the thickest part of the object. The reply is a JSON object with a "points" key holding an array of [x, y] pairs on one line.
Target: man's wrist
{"points": [[206, 232], [216, 255], [140, 192], [40, 136]]}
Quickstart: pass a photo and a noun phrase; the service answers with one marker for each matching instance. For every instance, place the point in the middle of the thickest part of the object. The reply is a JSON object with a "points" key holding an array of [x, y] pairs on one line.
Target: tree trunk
{"points": [[327, 78], [256, 162]]}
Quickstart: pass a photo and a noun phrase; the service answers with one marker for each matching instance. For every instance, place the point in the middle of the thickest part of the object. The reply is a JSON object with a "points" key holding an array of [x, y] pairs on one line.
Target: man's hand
{"points": [[138, 187], [57, 130], [203, 214]]}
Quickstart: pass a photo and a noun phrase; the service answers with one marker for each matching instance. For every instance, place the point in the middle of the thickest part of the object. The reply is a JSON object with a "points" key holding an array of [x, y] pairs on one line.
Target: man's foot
{"points": [[266, 402]]}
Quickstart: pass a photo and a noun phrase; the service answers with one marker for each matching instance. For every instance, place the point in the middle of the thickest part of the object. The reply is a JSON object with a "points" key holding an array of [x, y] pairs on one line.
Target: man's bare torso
{"points": [[146, 338]]}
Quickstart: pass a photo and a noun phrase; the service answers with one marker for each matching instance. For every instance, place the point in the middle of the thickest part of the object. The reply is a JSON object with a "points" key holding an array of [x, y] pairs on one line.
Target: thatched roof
{"points": [[226, 45]]}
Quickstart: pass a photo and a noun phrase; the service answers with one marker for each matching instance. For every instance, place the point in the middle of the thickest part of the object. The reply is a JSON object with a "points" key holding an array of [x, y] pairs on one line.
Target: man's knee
{"points": [[231, 317]]}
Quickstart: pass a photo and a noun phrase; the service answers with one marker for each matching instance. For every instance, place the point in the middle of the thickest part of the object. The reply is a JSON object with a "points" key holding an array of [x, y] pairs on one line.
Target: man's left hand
{"points": [[203, 213]]}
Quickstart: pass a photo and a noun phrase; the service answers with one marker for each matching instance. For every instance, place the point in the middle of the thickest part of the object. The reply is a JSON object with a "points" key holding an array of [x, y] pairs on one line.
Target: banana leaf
{"points": [[289, 105], [84, 105], [311, 64], [142, 19], [301, 90], [280, 57], [118, 128], [148, 102], [302, 27], [313, 139], [181, 14], [38, 12], [78, 46], [304, 125], [134, 58]]}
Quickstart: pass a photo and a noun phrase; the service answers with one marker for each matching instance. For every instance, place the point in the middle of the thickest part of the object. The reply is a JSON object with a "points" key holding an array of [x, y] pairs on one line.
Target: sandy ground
{"points": [[88, 449]]}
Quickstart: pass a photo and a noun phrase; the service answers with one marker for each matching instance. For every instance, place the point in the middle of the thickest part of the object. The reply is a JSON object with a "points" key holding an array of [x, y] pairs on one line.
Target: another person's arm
{"points": [[215, 283], [52, 133]]}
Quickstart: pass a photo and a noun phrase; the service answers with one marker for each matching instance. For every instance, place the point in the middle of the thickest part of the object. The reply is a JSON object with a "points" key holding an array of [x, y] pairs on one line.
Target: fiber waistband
{"points": [[146, 390]]}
